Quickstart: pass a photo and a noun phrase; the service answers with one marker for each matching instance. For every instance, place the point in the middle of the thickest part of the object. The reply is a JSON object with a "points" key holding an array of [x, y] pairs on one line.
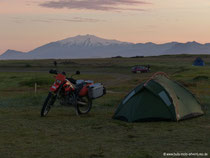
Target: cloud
{"points": [[104, 5], [54, 20], [77, 19]]}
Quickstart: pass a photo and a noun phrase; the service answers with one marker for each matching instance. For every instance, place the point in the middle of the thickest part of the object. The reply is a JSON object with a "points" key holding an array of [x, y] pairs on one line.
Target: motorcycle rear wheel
{"points": [[83, 105], [49, 101]]}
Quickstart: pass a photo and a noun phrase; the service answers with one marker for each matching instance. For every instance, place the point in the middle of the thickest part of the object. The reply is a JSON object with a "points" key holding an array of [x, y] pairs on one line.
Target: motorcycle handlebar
{"points": [[56, 72]]}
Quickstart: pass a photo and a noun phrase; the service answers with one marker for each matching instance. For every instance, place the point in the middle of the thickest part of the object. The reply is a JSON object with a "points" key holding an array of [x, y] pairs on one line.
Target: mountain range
{"points": [[90, 46]]}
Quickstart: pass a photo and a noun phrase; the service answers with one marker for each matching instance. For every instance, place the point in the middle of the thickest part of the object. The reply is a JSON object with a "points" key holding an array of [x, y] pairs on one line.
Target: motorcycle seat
{"points": [[79, 81]]}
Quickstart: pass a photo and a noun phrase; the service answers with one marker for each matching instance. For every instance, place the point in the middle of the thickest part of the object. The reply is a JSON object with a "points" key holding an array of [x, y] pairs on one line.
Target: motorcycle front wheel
{"points": [[49, 101], [83, 105]]}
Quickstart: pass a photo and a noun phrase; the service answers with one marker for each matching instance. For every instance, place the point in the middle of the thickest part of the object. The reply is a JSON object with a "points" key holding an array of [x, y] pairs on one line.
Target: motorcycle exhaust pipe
{"points": [[82, 103]]}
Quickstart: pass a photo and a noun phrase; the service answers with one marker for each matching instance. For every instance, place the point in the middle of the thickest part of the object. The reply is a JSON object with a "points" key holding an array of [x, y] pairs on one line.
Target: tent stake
{"points": [[35, 88]]}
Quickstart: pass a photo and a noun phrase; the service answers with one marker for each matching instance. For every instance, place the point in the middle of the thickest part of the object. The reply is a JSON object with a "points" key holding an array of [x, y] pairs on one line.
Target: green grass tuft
{"points": [[40, 82]]}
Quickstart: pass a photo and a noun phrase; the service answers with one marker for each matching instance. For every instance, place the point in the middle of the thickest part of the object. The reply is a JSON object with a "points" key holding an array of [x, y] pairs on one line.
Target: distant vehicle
{"points": [[140, 69]]}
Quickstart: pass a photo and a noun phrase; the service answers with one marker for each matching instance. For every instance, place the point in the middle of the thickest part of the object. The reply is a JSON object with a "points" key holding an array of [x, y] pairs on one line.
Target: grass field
{"points": [[62, 134]]}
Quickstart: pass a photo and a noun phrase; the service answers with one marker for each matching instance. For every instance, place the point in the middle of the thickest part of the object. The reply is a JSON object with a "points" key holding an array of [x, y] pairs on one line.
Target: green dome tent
{"points": [[158, 98]]}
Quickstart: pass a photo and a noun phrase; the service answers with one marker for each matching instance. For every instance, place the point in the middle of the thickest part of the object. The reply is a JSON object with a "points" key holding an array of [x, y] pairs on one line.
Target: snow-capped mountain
{"points": [[87, 46], [88, 41], [90, 46]]}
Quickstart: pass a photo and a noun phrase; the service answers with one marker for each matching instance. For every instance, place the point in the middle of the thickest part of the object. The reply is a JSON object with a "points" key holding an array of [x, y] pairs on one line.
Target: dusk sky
{"points": [[27, 24]]}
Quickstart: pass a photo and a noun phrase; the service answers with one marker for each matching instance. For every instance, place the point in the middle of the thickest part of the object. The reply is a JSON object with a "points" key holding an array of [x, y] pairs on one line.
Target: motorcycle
{"points": [[76, 93]]}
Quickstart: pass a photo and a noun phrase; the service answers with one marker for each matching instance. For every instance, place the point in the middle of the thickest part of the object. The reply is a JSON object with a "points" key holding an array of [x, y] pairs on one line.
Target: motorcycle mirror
{"points": [[77, 72], [50, 71]]}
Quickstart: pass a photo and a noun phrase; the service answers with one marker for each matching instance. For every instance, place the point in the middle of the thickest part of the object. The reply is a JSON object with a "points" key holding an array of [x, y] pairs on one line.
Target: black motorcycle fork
{"points": [[58, 92]]}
